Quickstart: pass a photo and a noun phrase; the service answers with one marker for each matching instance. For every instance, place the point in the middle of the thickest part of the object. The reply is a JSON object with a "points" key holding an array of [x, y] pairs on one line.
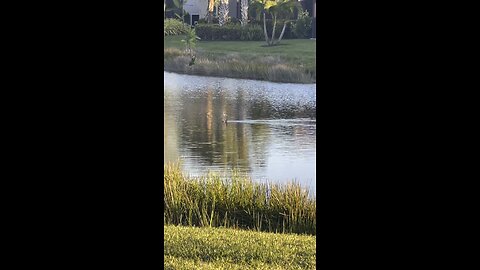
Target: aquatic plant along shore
{"points": [[237, 202]]}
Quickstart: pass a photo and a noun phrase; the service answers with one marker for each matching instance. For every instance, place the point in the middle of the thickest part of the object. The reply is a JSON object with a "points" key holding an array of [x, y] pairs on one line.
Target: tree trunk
{"points": [[211, 4], [183, 13], [265, 28], [223, 12], [283, 32], [244, 12], [210, 17], [273, 30]]}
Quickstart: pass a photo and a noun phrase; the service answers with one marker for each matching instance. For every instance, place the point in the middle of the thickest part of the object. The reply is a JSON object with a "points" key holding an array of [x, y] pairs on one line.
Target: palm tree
{"points": [[285, 10], [211, 4], [244, 11], [223, 12], [278, 9]]}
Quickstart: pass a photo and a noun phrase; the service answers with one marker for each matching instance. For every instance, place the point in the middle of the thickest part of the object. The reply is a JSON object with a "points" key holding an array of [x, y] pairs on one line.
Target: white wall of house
{"points": [[200, 7], [197, 7]]}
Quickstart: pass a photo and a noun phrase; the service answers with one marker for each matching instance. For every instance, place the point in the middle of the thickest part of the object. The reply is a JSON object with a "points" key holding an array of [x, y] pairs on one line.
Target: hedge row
{"points": [[229, 32], [253, 31]]}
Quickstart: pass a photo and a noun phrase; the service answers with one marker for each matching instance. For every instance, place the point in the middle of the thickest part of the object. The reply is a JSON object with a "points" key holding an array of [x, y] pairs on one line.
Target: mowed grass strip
{"points": [[237, 202], [221, 248], [291, 61]]}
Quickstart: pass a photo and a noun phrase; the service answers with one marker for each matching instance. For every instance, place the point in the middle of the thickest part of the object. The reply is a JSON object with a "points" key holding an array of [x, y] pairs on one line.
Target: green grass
{"points": [[291, 61], [220, 248], [237, 202]]}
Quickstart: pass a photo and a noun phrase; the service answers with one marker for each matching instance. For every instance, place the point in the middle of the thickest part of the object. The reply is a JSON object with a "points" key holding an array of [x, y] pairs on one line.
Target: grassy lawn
{"points": [[298, 51], [291, 56], [220, 248]]}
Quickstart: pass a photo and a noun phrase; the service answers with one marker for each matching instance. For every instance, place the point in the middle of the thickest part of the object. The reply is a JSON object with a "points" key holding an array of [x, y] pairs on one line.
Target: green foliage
{"points": [[190, 41], [236, 203], [174, 27], [281, 11], [189, 248], [302, 27], [229, 32]]}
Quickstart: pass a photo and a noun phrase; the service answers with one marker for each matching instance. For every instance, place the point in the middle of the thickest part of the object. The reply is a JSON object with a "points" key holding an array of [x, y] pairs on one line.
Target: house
{"points": [[198, 9]]}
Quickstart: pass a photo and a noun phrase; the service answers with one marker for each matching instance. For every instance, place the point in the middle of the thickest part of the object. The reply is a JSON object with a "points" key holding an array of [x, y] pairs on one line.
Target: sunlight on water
{"points": [[269, 134]]}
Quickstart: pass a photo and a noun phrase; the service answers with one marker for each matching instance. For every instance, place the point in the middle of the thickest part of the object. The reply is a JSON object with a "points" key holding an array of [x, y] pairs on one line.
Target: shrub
{"points": [[190, 42], [229, 32], [205, 20], [234, 20], [173, 27], [302, 28]]}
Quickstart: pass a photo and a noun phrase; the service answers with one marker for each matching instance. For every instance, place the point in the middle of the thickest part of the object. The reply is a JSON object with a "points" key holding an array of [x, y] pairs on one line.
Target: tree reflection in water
{"points": [[267, 127]]}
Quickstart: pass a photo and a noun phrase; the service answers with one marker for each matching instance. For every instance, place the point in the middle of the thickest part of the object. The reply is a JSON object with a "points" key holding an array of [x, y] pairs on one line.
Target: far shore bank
{"points": [[291, 62], [229, 76], [241, 80]]}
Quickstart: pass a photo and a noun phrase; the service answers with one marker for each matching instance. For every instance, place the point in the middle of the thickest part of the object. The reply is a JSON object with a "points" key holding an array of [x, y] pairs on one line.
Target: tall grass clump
{"points": [[237, 202], [270, 68]]}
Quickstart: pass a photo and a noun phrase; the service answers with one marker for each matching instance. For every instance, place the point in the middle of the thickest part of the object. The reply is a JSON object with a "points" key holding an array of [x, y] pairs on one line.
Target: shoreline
{"points": [[218, 77], [230, 76], [239, 69]]}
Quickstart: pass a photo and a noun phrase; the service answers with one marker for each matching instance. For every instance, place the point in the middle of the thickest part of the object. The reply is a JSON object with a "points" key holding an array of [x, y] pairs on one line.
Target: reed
{"points": [[237, 202], [232, 66]]}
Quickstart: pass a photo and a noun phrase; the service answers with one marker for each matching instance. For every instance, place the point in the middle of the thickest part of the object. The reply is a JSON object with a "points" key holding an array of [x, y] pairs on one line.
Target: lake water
{"points": [[270, 132]]}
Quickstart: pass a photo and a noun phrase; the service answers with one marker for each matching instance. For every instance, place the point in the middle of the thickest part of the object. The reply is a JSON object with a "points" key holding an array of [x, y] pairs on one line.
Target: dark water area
{"points": [[269, 134]]}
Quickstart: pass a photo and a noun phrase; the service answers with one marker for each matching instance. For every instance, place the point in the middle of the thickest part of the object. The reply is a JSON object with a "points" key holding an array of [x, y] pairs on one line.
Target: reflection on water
{"points": [[270, 133]]}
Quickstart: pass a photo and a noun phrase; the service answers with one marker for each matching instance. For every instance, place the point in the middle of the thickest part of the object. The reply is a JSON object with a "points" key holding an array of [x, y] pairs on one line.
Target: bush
{"points": [[205, 20], [173, 27], [302, 28], [229, 32]]}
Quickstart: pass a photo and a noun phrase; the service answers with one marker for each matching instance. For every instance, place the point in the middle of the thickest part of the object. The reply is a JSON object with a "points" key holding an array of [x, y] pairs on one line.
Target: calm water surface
{"points": [[270, 133]]}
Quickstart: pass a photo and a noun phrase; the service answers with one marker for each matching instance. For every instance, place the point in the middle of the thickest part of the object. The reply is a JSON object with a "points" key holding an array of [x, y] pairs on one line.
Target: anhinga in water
{"points": [[224, 120]]}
